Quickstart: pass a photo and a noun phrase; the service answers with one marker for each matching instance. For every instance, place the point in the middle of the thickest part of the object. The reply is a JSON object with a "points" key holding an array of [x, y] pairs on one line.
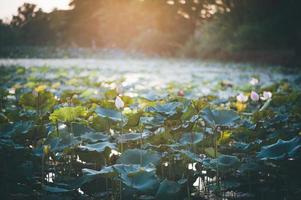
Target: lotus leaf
{"points": [[110, 114], [132, 137], [191, 138], [222, 163], [168, 190], [168, 109], [94, 137], [219, 117], [139, 156], [68, 114], [98, 147], [281, 149]]}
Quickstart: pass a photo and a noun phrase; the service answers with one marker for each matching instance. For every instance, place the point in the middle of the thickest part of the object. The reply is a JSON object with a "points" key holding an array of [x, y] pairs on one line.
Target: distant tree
{"points": [[26, 12]]}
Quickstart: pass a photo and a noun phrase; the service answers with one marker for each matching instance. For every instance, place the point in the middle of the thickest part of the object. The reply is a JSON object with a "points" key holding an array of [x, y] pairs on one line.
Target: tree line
{"points": [[160, 25]]}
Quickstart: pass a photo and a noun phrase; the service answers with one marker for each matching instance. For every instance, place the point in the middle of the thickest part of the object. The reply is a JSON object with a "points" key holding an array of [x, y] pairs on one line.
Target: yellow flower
{"points": [[40, 88], [46, 149], [240, 106], [224, 137]]}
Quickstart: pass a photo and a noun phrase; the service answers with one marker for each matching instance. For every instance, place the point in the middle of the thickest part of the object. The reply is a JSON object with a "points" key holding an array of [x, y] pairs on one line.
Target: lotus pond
{"points": [[140, 129]]}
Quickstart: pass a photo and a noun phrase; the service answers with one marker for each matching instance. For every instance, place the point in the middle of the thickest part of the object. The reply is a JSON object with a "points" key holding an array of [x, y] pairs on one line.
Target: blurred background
{"points": [[266, 31]]}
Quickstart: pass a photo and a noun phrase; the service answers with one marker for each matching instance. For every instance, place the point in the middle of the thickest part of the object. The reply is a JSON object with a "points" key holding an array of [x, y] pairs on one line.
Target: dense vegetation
{"points": [[206, 28], [67, 134]]}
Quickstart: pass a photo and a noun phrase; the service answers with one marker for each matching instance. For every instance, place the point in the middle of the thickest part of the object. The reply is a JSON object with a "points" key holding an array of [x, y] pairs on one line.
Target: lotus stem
{"points": [[57, 128]]}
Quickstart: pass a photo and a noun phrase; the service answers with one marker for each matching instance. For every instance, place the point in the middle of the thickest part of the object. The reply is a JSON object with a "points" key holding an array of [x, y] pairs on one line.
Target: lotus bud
{"points": [[181, 93], [119, 103]]}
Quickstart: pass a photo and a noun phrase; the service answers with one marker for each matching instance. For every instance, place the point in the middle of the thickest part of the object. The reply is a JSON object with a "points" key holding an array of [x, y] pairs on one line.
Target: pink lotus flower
{"points": [[242, 98], [254, 81], [254, 96]]}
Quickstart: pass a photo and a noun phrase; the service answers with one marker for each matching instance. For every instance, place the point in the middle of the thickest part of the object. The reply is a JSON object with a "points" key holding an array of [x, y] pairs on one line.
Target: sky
{"points": [[9, 7]]}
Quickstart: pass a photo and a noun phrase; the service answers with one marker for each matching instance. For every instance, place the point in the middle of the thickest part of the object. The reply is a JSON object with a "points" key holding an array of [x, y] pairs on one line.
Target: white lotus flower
{"points": [[242, 98], [254, 81], [119, 103], [254, 96], [266, 95]]}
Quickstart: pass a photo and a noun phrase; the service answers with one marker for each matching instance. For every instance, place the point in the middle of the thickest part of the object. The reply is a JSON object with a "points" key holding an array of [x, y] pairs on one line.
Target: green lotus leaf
{"points": [[110, 114], [3, 118], [249, 166], [154, 121], [20, 127], [139, 178], [111, 94], [219, 117], [168, 190], [281, 149], [58, 144], [138, 156], [229, 184], [79, 128], [191, 138], [151, 96], [106, 171], [132, 137], [146, 197], [68, 114], [209, 151], [42, 100], [133, 119], [192, 156], [55, 189], [70, 185], [223, 163], [168, 109], [61, 144], [94, 137], [98, 147]]}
